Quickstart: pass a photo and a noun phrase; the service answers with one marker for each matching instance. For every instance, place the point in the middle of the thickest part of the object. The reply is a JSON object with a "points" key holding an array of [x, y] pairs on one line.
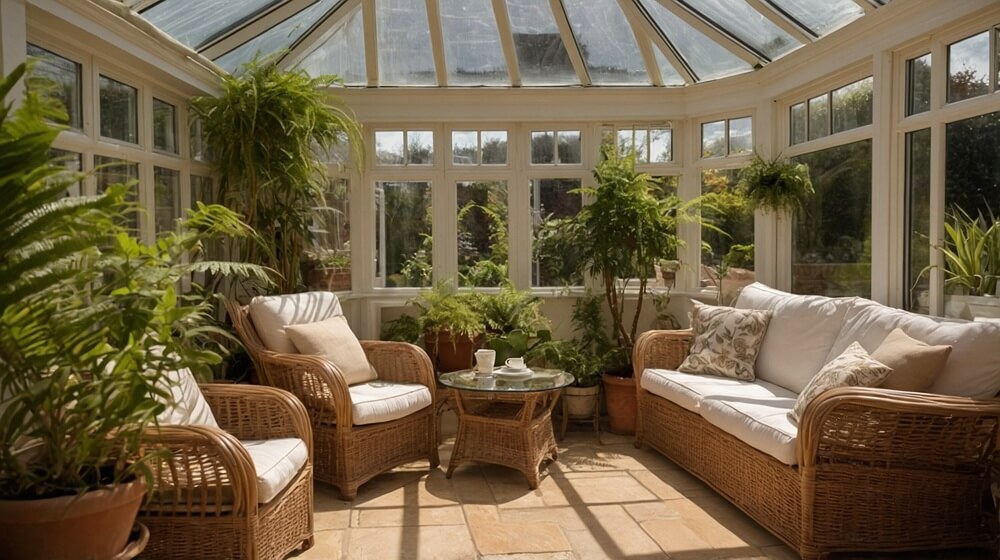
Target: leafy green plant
{"points": [[444, 310], [775, 184], [536, 348], [971, 253], [511, 309], [591, 351]]}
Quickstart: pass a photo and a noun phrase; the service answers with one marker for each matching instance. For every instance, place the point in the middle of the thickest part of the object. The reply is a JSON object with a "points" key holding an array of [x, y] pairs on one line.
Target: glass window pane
{"points": [[832, 234], [330, 254], [713, 139], [707, 59], [748, 25], [342, 53], [166, 200], [389, 147], [543, 149], [113, 171], [822, 16], [969, 67], [797, 124], [192, 22], [728, 253], [472, 44], [569, 146], [482, 233], [852, 105], [279, 37], [918, 219], [541, 54], [918, 85], [555, 256], [606, 42], [119, 111], [199, 150], [73, 162], [463, 147], [819, 117], [740, 135], [62, 82], [668, 73], [404, 44], [641, 145], [972, 165], [403, 231], [420, 147], [661, 145], [494, 147], [164, 126], [626, 141], [202, 190]]}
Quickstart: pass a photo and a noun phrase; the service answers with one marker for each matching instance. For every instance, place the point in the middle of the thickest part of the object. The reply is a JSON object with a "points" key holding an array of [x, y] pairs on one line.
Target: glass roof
{"points": [[505, 43]]}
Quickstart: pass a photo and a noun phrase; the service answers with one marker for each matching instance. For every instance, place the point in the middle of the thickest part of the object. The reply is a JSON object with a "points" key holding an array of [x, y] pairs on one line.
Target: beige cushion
{"points": [[186, 405], [915, 365], [334, 340], [972, 369], [382, 401], [853, 368], [726, 341], [799, 335], [271, 314], [276, 462]]}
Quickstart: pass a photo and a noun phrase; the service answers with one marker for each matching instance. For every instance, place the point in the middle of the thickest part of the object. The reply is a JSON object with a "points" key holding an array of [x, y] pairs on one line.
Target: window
{"points": [[404, 147], [969, 67], [727, 137], [119, 111], [114, 171], [331, 232], [832, 235], [918, 219], [651, 144], [403, 231], [839, 110], [164, 126], [918, 85], [727, 240], [475, 147], [60, 78], [166, 200], [482, 232], [73, 162], [199, 151], [972, 165], [555, 147], [555, 259]]}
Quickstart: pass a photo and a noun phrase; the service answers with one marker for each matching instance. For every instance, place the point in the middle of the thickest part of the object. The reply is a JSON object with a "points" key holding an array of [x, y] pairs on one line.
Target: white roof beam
{"points": [[437, 42], [724, 41], [371, 42], [507, 41], [645, 44], [569, 41], [865, 5], [787, 25], [319, 33], [655, 35], [253, 28], [139, 5]]}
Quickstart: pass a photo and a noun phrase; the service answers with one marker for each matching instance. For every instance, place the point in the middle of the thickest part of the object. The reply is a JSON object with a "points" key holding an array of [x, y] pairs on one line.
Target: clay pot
{"points": [[620, 395], [328, 279], [95, 525], [450, 355]]}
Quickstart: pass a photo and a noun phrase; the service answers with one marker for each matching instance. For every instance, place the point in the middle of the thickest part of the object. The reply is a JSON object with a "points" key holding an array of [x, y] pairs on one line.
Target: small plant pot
{"points": [[581, 401], [449, 354], [620, 395], [328, 279]]}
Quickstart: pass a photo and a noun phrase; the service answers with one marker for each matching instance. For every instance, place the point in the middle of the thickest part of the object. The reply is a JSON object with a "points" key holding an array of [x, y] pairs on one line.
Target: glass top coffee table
{"points": [[505, 419]]}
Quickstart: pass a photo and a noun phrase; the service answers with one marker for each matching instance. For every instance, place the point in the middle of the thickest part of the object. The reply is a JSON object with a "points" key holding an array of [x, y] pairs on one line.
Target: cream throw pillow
{"points": [[333, 339], [853, 368], [726, 341], [915, 364]]}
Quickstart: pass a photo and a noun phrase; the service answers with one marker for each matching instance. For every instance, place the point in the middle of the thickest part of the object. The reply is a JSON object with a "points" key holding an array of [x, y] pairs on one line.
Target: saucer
{"points": [[507, 373]]}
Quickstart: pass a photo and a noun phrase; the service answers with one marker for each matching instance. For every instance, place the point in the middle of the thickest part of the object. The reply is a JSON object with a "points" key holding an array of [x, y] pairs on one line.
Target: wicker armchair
{"points": [[348, 455], [205, 500]]}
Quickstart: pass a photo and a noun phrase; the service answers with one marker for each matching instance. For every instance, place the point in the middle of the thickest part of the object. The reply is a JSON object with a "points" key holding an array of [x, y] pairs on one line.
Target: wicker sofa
{"points": [[865, 468]]}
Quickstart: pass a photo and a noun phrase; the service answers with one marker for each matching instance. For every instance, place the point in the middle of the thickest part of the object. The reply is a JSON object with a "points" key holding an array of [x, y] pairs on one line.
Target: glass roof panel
{"points": [[279, 37], [541, 54], [472, 44], [342, 53], [667, 70], [405, 57], [821, 16], [606, 42], [747, 25], [192, 22], [706, 58]]}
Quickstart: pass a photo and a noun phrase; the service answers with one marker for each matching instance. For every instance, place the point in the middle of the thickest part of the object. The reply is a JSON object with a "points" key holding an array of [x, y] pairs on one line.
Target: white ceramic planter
{"points": [[581, 401]]}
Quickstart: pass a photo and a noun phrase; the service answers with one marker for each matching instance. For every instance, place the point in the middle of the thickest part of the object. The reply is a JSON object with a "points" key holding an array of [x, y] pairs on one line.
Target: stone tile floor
{"points": [[597, 501]]}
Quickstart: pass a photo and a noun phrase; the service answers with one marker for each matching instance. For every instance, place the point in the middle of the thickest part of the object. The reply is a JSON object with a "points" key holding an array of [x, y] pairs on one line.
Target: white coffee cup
{"points": [[515, 363], [484, 360]]}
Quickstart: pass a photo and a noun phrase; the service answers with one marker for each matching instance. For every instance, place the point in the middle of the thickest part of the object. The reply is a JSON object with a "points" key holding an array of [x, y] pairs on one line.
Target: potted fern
{"points": [[775, 184]]}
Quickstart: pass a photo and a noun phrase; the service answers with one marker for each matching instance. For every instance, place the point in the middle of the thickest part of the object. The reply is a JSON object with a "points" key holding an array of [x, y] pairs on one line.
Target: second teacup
{"points": [[514, 363]]}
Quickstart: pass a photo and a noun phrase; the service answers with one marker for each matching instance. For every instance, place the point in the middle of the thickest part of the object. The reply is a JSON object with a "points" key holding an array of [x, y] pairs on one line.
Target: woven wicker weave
{"points": [[877, 470], [204, 502], [346, 455]]}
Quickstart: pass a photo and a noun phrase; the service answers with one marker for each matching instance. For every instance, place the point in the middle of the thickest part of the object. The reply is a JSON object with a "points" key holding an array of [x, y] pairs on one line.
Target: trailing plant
{"points": [[775, 184], [264, 131]]}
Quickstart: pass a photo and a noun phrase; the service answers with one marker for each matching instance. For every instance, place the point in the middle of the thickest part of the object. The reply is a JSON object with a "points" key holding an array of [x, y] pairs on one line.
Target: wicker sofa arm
{"points": [[315, 381], [400, 362], [254, 412], [660, 349]]}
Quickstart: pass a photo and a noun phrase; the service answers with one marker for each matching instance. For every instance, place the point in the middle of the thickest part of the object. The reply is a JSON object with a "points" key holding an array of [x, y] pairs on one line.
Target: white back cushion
{"points": [[972, 370], [186, 405], [333, 339], [270, 315], [799, 335]]}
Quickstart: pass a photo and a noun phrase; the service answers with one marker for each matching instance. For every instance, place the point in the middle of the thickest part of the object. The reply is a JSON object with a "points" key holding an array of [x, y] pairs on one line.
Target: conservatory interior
{"points": [[234, 204]]}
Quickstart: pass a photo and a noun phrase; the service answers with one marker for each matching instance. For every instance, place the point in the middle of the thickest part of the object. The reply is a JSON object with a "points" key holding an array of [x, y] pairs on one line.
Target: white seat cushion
{"points": [[186, 405], [686, 389], [276, 461], [382, 401], [271, 314], [799, 336]]}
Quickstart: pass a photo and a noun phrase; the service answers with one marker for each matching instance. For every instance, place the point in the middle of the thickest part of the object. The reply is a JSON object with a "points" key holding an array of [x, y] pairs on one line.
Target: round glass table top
{"points": [[535, 379]]}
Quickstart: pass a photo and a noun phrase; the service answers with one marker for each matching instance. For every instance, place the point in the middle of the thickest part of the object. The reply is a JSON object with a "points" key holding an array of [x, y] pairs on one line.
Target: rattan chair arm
{"points": [[660, 349], [897, 429], [199, 470], [256, 412], [400, 362], [316, 381]]}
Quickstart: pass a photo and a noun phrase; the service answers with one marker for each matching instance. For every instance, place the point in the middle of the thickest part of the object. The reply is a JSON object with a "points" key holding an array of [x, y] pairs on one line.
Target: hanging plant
{"points": [[775, 184]]}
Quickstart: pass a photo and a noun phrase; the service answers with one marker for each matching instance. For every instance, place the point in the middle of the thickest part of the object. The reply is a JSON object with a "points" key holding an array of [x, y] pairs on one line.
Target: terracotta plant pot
{"points": [[448, 355], [581, 401], [620, 395], [328, 279], [94, 525]]}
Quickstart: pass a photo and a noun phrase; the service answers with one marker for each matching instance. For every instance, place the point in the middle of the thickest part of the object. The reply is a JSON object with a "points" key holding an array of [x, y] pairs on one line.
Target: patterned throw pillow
{"points": [[726, 340], [853, 368]]}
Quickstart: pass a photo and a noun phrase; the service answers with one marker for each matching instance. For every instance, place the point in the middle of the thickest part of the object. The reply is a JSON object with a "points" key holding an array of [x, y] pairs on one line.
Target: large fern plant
{"points": [[775, 184]]}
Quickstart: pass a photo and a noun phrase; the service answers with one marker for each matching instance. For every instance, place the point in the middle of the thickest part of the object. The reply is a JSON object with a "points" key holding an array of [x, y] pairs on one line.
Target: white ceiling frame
{"points": [[569, 42], [139, 5], [253, 28], [865, 5], [437, 42], [645, 47], [724, 41], [371, 41], [655, 35], [507, 41], [319, 33], [793, 28]]}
